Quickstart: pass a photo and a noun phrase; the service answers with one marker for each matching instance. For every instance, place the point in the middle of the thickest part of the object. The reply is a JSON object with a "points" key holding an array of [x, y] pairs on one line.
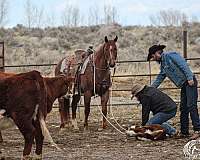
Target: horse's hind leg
{"points": [[75, 100], [87, 100], [64, 105], [104, 101]]}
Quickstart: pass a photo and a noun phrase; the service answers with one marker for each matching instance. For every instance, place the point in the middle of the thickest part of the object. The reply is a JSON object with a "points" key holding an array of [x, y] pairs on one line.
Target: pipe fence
{"points": [[116, 89]]}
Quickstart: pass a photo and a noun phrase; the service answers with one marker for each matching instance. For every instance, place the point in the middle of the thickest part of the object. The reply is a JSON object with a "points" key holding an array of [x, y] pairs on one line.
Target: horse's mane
{"points": [[98, 49]]}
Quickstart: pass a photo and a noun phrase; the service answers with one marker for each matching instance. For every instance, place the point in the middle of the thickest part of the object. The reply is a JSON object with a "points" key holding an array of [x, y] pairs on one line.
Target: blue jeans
{"points": [[189, 96], [162, 118]]}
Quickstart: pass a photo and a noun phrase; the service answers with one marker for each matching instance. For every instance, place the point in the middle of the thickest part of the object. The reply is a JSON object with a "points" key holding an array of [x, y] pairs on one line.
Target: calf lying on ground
{"points": [[28, 94], [148, 132]]}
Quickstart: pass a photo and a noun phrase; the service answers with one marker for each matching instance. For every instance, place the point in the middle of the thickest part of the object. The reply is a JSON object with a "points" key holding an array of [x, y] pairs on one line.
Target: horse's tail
{"points": [[45, 132]]}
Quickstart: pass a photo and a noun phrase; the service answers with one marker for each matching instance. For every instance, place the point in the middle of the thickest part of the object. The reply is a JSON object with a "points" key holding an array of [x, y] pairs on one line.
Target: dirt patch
{"points": [[94, 144]]}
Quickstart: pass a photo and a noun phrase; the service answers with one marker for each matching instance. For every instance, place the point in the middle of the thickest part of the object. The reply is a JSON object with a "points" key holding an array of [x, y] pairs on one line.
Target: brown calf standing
{"points": [[24, 100], [54, 86], [33, 98]]}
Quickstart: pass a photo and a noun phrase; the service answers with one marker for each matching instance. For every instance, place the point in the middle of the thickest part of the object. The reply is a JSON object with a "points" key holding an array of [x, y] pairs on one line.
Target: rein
{"points": [[97, 68], [105, 69]]}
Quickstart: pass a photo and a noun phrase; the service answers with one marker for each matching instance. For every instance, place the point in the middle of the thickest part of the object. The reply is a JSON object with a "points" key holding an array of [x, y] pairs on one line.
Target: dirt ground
{"points": [[94, 144]]}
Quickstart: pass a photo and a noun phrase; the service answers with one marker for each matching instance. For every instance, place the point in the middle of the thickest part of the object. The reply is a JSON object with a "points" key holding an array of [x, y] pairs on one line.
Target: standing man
{"points": [[161, 105], [173, 66]]}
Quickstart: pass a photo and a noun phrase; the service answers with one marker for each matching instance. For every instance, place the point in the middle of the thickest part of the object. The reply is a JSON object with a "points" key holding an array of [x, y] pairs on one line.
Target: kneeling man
{"points": [[162, 106]]}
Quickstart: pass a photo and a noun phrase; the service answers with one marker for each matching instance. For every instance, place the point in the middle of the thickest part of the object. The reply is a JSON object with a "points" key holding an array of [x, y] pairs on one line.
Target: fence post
{"points": [[2, 62], [185, 26]]}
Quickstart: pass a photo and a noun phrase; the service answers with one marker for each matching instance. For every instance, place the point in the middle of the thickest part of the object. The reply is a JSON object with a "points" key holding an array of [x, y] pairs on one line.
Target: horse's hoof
{"points": [[85, 129], [76, 129], [27, 157], [100, 129], [37, 157], [104, 126], [62, 130]]}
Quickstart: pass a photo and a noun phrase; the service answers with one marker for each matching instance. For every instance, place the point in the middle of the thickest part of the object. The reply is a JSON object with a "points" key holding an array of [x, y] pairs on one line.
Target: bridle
{"points": [[106, 58]]}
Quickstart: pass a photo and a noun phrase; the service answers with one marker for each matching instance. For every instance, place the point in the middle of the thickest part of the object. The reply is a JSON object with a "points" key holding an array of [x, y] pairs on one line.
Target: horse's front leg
{"points": [[64, 105], [87, 100], [75, 100], [104, 101]]}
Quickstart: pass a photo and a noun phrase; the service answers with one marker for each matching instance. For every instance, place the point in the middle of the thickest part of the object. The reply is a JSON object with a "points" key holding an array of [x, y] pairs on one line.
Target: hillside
{"points": [[49, 45]]}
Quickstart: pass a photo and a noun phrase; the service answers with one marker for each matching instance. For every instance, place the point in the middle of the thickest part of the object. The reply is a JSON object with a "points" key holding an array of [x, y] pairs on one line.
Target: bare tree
{"points": [[39, 14], [50, 20], [194, 19], [33, 15], [70, 16], [168, 18], [154, 20], [66, 16], [28, 14], [93, 16], [75, 16], [110, 14], [3, 12]]}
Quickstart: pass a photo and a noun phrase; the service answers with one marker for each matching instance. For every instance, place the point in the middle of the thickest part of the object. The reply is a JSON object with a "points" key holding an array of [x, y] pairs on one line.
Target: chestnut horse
{"points": [[99, 65]]}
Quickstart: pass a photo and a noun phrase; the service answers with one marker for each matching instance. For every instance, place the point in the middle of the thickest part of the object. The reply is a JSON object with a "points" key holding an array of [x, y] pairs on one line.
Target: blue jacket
{"points": [[175, 68]]}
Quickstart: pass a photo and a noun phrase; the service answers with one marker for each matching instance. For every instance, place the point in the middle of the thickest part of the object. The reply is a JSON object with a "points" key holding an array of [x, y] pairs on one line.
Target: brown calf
{"points": [[24, 100], [148, 132], [54, 86], [36, 96]]}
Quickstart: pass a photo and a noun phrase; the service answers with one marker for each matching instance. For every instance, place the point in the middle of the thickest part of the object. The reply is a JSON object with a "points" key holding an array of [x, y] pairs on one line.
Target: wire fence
{"points": [[117, 89]]}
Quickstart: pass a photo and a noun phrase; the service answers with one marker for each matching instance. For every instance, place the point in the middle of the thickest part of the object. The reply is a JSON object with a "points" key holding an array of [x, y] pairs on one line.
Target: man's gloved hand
{"points": [[191, 82]]}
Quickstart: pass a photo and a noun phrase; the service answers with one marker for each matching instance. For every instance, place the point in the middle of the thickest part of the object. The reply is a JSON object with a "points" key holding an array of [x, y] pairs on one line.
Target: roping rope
{"points": [[107, 118]]}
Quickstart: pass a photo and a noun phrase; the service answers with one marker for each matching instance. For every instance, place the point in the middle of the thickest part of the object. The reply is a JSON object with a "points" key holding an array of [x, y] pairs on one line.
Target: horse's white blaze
{"points": [[110, 51]]}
